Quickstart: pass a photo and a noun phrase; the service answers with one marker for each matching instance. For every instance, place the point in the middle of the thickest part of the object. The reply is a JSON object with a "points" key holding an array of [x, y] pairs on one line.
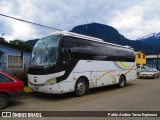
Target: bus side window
{"points": [[66, 56]]}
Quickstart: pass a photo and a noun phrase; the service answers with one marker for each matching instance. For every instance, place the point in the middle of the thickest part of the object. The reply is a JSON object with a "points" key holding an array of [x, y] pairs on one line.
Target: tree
{"points": [[2, 39], [20, 44]]}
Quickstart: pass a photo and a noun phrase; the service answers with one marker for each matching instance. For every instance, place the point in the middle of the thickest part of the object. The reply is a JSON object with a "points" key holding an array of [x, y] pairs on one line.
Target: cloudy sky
{"points": [[132, 18]]}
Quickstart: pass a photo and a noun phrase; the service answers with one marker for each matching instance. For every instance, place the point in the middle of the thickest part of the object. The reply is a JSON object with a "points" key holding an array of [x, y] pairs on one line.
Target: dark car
{"points": [[9, 87]]}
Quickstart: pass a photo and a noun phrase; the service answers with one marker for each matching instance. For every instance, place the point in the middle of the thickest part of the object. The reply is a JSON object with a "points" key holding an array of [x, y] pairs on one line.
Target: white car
{"points": [[149, 73], [140, 68]]}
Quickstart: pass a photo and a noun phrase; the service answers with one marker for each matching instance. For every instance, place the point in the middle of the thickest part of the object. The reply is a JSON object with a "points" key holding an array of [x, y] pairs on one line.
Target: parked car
{"points": [[149, 73], [9, 87], [140, 68]]}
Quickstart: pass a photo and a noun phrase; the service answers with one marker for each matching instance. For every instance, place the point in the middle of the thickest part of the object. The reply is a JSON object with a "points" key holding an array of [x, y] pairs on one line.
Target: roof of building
{"points": [[152, 56], [1, 52], [13, 46], [139, 52]]}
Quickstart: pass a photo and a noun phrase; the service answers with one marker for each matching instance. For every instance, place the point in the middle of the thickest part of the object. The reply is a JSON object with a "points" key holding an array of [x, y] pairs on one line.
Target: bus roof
{"points": [[66, 33]]}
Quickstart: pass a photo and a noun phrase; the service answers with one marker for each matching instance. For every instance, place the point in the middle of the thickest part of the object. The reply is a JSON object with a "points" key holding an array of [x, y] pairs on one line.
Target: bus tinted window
{"points": [[115, 53], [92, 50], [99, 51]]}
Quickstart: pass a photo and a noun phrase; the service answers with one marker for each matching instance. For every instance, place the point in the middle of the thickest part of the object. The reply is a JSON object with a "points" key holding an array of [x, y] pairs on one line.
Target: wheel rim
{"points": [[81, 88], [2, 101]]}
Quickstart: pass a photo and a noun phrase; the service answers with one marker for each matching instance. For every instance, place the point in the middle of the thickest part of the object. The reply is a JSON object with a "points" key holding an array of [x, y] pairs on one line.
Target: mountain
{"points": [[110, 34], [151, 39], [32, 42]]}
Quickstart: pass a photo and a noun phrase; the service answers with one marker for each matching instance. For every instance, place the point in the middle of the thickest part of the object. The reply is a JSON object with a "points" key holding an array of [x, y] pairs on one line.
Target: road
{"points": [[138, 95]]}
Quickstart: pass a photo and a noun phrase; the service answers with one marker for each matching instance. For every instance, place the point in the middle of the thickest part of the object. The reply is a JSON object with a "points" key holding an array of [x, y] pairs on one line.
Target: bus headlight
{"points": [[51, 81]]}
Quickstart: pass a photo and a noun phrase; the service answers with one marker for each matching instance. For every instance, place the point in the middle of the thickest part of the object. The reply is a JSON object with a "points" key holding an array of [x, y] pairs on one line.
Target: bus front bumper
{"points": [[53, 89]]}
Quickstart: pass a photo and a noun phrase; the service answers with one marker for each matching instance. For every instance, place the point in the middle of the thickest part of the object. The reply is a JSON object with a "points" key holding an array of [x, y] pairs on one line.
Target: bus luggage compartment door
{"points": [[92, 81]]}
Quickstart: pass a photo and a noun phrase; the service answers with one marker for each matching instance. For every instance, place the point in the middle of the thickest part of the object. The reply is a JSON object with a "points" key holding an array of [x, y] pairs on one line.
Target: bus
{"points": [[69, 62]]}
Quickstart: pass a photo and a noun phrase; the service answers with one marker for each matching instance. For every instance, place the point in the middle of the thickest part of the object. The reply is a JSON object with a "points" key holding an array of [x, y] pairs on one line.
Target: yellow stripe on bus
{"points": [[123, 65], [113, 80], [103, 75]]}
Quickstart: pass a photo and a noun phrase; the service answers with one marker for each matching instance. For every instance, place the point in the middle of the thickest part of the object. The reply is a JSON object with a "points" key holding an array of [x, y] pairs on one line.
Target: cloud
{"points": [[22, 30], [133, 18], [139, 20], [129, 20]]}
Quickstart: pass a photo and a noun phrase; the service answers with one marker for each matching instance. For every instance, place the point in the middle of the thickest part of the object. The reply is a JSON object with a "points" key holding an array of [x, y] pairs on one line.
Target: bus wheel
{"points": [[81, 87], [122, 81], [3, 101]]}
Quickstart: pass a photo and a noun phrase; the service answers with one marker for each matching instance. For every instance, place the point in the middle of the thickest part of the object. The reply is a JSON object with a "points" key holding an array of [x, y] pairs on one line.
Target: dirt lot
{"points": [[138, 95]]}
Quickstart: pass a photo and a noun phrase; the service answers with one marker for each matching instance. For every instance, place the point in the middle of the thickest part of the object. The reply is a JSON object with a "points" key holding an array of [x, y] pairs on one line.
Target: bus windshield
{"points": [[44, 53]]}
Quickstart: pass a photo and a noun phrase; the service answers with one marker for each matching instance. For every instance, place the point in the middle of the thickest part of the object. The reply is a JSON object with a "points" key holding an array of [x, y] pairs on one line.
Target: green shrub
{"points": [[21, 76]]}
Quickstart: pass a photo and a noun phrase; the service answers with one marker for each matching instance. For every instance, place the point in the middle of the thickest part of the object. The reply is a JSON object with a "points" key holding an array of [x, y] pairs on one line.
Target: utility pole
{"points": [[2, 39], [157, 57], [2, 35]]}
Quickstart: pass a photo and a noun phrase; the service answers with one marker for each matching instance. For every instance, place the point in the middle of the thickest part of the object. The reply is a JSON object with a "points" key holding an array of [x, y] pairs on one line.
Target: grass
{"points": [[137, 76], [27, 89]]}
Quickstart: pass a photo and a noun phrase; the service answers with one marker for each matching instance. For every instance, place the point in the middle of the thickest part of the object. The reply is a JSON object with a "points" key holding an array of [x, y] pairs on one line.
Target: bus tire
{"points": [[3, 101], [122, 81], [81, 87]]}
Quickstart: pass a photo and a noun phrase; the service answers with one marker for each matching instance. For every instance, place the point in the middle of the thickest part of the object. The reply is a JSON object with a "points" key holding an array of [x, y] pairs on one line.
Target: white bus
{"points": [[68, 62]]}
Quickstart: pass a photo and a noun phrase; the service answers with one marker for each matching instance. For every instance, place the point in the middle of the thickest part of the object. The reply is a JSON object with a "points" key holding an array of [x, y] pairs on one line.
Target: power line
{"points": [[47, 27]]}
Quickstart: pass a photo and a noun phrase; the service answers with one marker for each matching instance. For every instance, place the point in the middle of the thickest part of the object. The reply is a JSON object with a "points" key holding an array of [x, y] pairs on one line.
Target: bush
{"points": [[21, 76]]}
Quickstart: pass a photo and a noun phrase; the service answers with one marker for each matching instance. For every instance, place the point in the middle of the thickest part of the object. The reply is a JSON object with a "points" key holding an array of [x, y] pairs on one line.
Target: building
{"points": [[152, 61], [140, 58], [13, 59]]}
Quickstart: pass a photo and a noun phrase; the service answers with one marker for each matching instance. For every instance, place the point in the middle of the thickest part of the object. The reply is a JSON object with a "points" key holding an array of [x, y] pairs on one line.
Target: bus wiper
{"points": [[38, 66], [45, 69]]}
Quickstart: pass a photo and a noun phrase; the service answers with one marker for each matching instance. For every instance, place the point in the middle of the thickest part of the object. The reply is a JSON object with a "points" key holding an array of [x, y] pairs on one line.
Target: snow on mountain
{"points": [[152, 35]]}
